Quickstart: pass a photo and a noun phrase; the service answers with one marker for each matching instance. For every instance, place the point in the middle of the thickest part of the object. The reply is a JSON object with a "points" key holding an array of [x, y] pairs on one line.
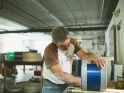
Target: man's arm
{"points": [[82, 55], [60, 74], [91, 58]]}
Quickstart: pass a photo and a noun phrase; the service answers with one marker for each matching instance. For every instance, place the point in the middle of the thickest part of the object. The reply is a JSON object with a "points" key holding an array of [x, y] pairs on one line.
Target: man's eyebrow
{"points": [[65, 44]]}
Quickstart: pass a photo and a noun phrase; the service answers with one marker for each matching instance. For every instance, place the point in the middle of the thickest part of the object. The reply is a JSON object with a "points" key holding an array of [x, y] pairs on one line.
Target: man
{"points": [[58, 57]]}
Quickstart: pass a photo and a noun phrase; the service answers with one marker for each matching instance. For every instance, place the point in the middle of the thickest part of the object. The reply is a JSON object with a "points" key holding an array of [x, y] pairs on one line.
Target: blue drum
{"points": [[93, 78]]}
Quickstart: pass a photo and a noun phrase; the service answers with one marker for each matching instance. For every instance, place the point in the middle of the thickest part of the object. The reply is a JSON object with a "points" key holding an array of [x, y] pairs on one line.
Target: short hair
{"points": [[59, 34]]}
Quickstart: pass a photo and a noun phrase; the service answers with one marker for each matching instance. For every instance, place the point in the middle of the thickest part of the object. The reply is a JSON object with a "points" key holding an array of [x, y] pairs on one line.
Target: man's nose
{"points": [[66, 46]]}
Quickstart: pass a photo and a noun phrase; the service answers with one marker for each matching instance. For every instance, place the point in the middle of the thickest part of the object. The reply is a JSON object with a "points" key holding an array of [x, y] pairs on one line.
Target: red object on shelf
{"points": [[37, 73]]}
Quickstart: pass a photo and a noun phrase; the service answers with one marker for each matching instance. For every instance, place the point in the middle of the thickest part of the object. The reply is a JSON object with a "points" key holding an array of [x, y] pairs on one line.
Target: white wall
{"points": [[115, 21], [1, 43], [39, 45], [97, 49], [111, 42], [11, 43]]}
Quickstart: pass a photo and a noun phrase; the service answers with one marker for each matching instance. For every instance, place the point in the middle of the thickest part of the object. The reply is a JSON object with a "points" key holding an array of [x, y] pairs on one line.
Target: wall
{"points": [[115, 21], [11, 43], [1, 43], [111, 42], [90, 42], [39, 45], [98, 48], [86, 45]]}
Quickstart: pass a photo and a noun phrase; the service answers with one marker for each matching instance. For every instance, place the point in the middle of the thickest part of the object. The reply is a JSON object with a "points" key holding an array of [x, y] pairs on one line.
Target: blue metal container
{"points": [[78, 67]]}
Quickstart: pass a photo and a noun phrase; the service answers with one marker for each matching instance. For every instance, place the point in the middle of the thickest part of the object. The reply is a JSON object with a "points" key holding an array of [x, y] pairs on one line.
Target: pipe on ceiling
{"points": [[49, 30], [102, 9], [1, 4], [91, 25], [47, 11], [81, 26], [109, 7], [70, 11], [27, 13], [83, 12]]}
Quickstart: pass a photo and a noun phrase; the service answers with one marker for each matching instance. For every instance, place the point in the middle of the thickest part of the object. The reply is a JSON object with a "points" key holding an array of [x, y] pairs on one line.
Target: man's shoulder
{"points": [[51, 47], [72, 40]]}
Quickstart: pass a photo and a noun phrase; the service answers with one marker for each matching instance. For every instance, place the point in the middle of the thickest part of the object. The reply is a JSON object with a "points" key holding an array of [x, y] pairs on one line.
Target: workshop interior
{"points": [[25, 31]]}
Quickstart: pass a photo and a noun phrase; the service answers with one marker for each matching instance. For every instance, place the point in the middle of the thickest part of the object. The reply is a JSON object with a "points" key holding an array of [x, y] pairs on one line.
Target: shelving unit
{"points": [[6, 63]]}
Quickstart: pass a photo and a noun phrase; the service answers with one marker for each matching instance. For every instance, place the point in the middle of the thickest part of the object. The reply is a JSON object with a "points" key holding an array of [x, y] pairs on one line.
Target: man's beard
{"points": [[66, 50]]}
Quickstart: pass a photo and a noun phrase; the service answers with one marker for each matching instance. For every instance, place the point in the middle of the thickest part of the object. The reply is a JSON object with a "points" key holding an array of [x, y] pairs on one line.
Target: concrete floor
{"points": [[21, 76]]}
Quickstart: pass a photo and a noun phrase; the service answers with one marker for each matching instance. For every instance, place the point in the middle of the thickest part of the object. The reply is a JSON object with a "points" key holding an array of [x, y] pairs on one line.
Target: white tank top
{"points": [[65, 60]]}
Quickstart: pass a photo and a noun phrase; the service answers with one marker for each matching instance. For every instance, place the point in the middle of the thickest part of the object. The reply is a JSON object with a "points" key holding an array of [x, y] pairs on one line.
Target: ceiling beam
{"points": [[102, 9], [26, 13], [47, 11], [49, 30], [1, 4]]}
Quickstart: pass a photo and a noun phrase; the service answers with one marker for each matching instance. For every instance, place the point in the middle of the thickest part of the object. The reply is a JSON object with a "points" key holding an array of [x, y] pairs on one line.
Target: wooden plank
{"points": [[111, 84]]}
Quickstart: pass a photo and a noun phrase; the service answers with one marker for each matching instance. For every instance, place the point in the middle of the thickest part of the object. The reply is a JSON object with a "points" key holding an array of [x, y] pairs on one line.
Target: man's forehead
{"points": [[64, 42]]}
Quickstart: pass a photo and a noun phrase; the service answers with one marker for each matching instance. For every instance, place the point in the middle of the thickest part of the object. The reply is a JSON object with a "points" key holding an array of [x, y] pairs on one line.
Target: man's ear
{"points": [[54, 41]]}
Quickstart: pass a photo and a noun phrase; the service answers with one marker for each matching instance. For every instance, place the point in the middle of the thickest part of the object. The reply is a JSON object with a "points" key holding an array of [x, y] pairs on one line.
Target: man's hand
{"points": [[92, 58], [99, 62]]}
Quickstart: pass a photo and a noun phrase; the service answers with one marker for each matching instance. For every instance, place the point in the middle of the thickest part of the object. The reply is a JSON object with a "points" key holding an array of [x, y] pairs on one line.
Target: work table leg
{"points": [[24, 68], [41, 83], [5, 73]]}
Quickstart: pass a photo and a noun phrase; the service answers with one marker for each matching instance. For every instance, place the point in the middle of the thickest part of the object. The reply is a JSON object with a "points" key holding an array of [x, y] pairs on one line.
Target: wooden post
{"points": [[24, 68], [5, 74], [41, 84], [0, 67]]}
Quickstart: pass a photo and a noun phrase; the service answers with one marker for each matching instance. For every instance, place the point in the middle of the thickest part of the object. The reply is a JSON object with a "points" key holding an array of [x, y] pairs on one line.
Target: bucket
{"points": [[10, 56], [37, 73]]}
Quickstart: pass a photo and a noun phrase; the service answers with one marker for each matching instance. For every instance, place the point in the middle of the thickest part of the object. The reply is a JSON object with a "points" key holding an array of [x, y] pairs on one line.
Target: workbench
{"points": [[78, 90], [111, 88], [6, 63]]}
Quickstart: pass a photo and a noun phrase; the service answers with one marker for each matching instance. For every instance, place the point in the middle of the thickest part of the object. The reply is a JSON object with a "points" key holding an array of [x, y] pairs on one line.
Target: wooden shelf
{"points": [[6, 63]]}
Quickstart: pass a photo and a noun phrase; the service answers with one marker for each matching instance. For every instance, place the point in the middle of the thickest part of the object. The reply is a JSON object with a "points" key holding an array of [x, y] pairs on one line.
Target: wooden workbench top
{"points": [[110, 89], [78, 90]]}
